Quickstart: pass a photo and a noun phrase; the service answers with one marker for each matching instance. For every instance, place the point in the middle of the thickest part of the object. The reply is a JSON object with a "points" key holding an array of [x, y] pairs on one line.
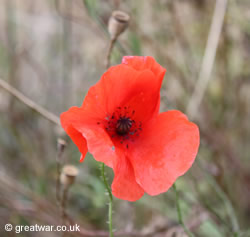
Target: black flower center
{"points": [[123, 125]]}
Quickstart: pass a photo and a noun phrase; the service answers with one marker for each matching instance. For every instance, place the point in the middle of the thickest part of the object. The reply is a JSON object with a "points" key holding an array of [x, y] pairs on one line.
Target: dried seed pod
{"points": [[118, 22], [68, 175], [61, 144]]}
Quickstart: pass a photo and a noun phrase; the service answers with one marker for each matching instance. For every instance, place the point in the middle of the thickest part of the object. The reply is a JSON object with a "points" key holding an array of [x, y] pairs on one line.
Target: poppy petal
{"points": [[114, 87], [122, 85], [98, 142], [79, 140], [141, 63], [124, 185], [145, 102], [165, 150]]}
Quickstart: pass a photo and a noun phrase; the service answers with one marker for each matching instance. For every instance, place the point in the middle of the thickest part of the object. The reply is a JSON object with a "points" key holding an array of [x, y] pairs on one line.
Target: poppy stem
{"points": [[110, 200], [178, 206], [111, 45]]}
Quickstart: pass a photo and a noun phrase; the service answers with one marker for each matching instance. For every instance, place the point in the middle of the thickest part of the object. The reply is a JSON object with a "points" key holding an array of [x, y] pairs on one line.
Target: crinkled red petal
{"points": [[95, 137], [141, 63], [123, 86], [124, 185], [165, 150], [79, 140]]}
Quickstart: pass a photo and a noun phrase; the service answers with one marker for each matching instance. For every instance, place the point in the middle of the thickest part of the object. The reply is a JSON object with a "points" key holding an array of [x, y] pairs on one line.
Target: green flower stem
{"points": [[228, 205], [110, 200], [178, 206]]}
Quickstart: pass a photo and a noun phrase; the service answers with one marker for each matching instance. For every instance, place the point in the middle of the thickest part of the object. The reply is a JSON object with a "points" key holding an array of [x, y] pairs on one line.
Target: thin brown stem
{"points": [[110, 48], [64, 203], [209, 57], [30, 103], [58, 184], [60, 149]]}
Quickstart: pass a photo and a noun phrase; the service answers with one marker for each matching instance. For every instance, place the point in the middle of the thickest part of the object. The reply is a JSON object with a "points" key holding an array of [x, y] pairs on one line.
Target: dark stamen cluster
{"points": [[122, 126]]}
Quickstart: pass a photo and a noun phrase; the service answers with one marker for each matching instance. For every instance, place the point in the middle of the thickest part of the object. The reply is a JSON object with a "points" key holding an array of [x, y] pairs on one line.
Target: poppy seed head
{"points": [[123, 125]]}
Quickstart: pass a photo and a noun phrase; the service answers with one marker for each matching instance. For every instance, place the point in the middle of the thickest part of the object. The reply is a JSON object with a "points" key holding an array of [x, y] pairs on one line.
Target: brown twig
{"points": [[209, 57], [64, 204], [60, 149], [30, 103], [111, 45]]}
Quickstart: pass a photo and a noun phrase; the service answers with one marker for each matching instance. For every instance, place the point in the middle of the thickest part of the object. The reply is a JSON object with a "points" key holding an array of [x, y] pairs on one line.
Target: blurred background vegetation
{"points": [[54, 50]]}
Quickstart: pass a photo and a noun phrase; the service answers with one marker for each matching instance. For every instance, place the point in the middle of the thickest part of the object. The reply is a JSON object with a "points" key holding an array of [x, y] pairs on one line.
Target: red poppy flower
{"points": [[120, 125]]}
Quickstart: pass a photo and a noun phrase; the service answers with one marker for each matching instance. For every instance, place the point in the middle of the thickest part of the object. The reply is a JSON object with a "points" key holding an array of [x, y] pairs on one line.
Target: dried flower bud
{"points": [[68, 175], [61, 144], [118, 22]]}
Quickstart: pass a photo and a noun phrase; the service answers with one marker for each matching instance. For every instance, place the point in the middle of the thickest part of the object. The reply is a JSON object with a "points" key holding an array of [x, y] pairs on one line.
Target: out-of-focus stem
{"points": [[110, 200], [30, 103], [209, 57], [225, 199], [64, 203], [60, 149], [111, 45], [178, 206]]}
